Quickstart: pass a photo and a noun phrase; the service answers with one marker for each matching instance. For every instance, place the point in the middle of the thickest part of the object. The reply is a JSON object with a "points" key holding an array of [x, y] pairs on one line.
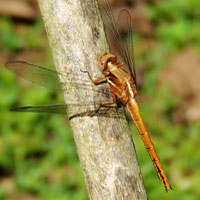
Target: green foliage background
{"points": [[38, 158]]}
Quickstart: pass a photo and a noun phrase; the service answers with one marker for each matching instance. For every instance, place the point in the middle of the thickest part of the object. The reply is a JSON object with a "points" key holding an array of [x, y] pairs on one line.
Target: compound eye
{"points": [[113, 59]]}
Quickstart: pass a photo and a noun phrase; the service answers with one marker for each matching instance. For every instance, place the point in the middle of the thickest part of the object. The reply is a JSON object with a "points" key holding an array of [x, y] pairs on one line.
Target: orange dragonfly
{"points": [[120, 76], [122, 84]]}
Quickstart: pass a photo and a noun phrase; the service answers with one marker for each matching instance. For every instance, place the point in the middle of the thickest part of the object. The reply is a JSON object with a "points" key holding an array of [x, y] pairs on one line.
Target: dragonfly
{"points": [[121, 77]]}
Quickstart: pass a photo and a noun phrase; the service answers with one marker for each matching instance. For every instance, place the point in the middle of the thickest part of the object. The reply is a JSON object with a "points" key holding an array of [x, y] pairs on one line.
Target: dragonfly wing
{"points": [[75, 110], [127, 54], [45, 77], [59, 109], [49, 78], [125, 49], [34, 73]]}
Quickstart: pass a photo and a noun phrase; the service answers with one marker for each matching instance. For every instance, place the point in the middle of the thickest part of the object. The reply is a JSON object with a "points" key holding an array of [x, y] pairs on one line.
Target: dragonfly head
{"points": [[104, 58]]}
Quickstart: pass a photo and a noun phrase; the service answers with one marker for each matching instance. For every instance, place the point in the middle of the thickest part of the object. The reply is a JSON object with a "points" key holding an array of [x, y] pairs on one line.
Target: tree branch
{"points": [[104, 144]]}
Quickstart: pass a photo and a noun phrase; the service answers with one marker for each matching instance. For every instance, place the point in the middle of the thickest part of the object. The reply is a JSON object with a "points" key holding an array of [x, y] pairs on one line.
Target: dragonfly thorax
{"points": [[104, 59]]}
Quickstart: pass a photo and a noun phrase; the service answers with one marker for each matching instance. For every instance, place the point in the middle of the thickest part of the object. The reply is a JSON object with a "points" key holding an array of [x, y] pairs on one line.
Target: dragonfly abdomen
{"points": [[134, 110]]}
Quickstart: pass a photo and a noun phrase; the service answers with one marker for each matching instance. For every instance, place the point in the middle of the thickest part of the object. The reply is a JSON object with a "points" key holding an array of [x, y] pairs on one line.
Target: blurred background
{"points": [[38, 159]]}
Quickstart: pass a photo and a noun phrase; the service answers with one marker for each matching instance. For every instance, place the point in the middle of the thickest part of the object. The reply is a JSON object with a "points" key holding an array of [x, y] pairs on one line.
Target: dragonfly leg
{"points": [[106, 105], [95, 112], [101, 79], [119, 65], [114, 104]]}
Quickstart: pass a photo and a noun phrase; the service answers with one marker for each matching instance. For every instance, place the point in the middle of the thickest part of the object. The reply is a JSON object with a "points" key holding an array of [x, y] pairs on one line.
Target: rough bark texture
{"points": [[104, 144]]}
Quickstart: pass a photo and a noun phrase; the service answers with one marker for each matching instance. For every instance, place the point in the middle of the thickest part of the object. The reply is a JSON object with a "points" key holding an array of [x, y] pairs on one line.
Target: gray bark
{"points": [[104, 144]]}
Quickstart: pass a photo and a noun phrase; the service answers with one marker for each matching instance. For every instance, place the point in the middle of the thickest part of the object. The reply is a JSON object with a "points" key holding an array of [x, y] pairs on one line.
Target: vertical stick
{"points": [[105, 148]]}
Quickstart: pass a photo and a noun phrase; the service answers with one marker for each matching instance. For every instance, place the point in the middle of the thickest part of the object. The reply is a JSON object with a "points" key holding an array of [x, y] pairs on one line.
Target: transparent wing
{"points": [[125, 19], [43, 76], [34, 73], [74, 110], [59, 109], [49, 78], [124, 48]]}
